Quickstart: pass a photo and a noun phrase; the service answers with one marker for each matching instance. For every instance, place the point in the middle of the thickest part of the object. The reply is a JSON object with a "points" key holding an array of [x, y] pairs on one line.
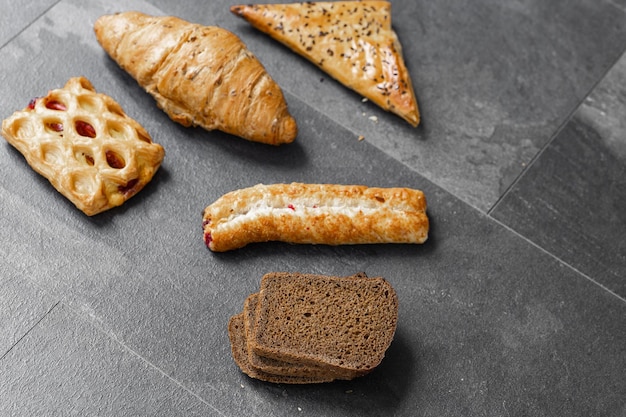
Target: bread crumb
{"points": [[374, 119], [361, 137]]}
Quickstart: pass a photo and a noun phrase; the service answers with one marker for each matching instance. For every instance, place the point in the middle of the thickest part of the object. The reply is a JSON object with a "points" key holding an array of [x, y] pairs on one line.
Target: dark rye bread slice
{"points": [[279, 367], [269, 365], [342, 323], [239, 347]]}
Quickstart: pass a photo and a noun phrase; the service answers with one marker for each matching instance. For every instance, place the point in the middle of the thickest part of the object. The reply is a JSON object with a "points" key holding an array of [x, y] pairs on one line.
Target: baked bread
{"points": [[345, 324], [287, 366], [316, 214], [239, 348], [199, 75], [352, 41], [306, 328], [85, 145], [268, 365]]}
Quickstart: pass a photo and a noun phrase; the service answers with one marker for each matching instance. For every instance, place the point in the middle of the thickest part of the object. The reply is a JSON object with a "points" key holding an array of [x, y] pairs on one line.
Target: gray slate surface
{"points": [[514, 306]]}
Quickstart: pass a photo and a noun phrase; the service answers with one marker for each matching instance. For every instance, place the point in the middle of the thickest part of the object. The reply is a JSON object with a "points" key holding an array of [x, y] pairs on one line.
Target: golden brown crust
{"points": [[85, 145], [353, 41], [317, 214], [199, 75]]}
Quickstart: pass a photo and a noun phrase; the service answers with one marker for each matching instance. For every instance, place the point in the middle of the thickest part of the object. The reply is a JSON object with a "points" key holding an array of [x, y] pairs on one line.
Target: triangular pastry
{"points": [[85, 145], [199, 75], [352, 41]]}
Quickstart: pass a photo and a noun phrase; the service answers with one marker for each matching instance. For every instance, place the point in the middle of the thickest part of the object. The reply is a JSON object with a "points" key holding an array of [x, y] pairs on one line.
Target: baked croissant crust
{"points": [[199, 75], [85, 145], [352, 41]]}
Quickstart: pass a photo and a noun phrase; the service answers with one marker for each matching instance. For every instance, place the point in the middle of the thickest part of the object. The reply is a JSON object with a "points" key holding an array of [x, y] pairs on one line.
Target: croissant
{"points": [[199, 75]]}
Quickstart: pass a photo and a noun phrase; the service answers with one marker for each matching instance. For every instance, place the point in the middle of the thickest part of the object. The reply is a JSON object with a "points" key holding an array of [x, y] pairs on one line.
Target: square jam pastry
{"points": [[85, 145]]}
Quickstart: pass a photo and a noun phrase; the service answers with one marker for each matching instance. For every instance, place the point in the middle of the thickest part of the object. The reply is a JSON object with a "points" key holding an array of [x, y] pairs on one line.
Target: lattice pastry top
{"points": [[85, 145]]}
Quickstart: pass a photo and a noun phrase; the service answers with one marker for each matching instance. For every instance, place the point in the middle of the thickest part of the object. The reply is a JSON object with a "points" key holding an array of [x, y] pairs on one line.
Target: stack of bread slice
{"points": [[306, 328]]}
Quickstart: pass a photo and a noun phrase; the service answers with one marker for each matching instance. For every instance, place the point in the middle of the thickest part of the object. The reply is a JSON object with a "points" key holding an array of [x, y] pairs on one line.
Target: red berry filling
{"points": [[31, 103], [208, 239], [128, 188], [56, 105], [85, 129], [115, 160], [57, 127]]}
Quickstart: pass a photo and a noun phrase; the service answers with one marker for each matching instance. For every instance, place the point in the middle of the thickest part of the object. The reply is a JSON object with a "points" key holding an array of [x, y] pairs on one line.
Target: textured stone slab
{"points": [[65, 366], [22, 306], [489, 323], [571, 201], [16, 16]]}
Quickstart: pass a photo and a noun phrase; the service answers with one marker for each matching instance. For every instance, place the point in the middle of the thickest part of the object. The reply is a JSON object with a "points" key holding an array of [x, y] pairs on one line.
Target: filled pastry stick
{"points": [[85, 145], [199, 75], [352, 41], [315, 214]]}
